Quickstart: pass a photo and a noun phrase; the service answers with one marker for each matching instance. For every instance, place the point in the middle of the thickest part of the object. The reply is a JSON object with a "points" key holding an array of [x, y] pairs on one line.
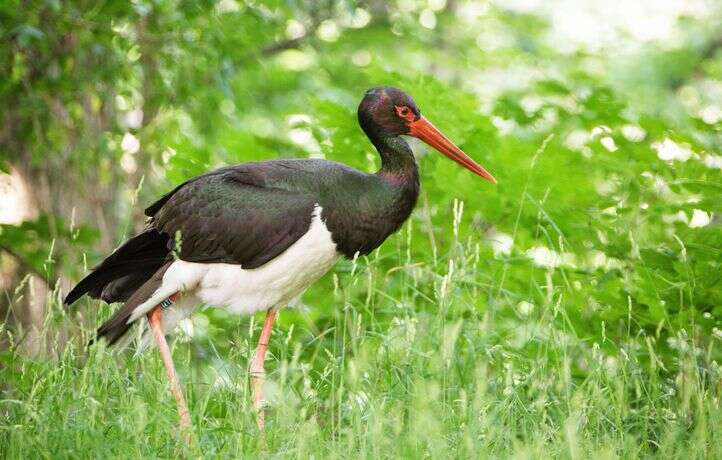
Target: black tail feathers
{"points": [[125, 270], [116, 327]]}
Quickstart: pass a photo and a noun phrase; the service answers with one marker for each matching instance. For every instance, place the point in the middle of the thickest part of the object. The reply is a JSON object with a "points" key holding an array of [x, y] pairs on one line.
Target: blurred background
{"points": [[572, 310], [600, 119]]}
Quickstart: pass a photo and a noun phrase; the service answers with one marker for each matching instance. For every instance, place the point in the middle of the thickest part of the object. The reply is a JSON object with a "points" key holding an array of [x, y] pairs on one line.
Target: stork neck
{"points": [[397, 159]]}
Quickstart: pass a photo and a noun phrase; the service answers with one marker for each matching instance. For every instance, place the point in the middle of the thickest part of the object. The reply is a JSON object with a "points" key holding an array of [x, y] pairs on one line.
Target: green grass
{"points": [[422, 359]]}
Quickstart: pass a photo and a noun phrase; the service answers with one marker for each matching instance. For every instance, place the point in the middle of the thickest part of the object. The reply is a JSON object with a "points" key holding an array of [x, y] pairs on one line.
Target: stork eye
{"points": [[405, 112]]}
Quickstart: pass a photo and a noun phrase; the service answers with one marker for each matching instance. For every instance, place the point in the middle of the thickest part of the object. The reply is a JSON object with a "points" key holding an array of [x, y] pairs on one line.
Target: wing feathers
{"points": [[223, 219], [119, 323], [145, 252]]}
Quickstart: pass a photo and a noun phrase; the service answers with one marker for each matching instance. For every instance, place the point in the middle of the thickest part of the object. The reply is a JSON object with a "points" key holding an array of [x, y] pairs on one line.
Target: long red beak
{"points": [[424, 130]]}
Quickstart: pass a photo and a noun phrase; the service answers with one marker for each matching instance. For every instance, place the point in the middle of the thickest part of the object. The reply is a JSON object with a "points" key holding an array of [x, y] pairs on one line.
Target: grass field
{"points": [[413, 361]]}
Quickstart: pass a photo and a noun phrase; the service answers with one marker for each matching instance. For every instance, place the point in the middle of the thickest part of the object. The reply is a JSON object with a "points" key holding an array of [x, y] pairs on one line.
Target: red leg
{"points": [[257, 370], [154, 320]]}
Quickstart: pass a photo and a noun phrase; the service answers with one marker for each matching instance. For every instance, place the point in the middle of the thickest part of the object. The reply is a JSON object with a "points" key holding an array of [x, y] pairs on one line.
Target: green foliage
{"points": [[580, 296], [34, 242]]}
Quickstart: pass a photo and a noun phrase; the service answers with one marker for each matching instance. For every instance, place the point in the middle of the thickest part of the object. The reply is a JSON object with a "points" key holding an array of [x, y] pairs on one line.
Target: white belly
{"points": [[240, 290], [272, 285]]}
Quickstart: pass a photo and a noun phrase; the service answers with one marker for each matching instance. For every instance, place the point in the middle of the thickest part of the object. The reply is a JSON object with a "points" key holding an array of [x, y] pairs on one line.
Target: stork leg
{"points": [[154, 320], [257, 370]]}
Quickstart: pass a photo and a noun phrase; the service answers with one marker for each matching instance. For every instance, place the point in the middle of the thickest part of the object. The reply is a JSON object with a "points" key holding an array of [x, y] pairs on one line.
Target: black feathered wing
{"points": [[233, 218], [125, 270]]}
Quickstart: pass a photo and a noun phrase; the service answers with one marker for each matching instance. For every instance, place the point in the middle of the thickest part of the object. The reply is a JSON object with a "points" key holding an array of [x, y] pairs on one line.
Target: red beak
{"points": [[424, 130]]}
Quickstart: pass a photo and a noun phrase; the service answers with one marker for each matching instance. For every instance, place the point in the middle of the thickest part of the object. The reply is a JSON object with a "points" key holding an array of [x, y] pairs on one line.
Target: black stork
{"points": [[254, 236]]}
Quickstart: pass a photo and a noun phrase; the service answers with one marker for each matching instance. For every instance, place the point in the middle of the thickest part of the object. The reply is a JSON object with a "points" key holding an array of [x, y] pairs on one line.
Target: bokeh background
{"points": [[600, 119]]}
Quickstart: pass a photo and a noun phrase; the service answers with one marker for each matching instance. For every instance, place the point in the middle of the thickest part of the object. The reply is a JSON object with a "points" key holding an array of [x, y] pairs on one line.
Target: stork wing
{"points": [[232, 216]]}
